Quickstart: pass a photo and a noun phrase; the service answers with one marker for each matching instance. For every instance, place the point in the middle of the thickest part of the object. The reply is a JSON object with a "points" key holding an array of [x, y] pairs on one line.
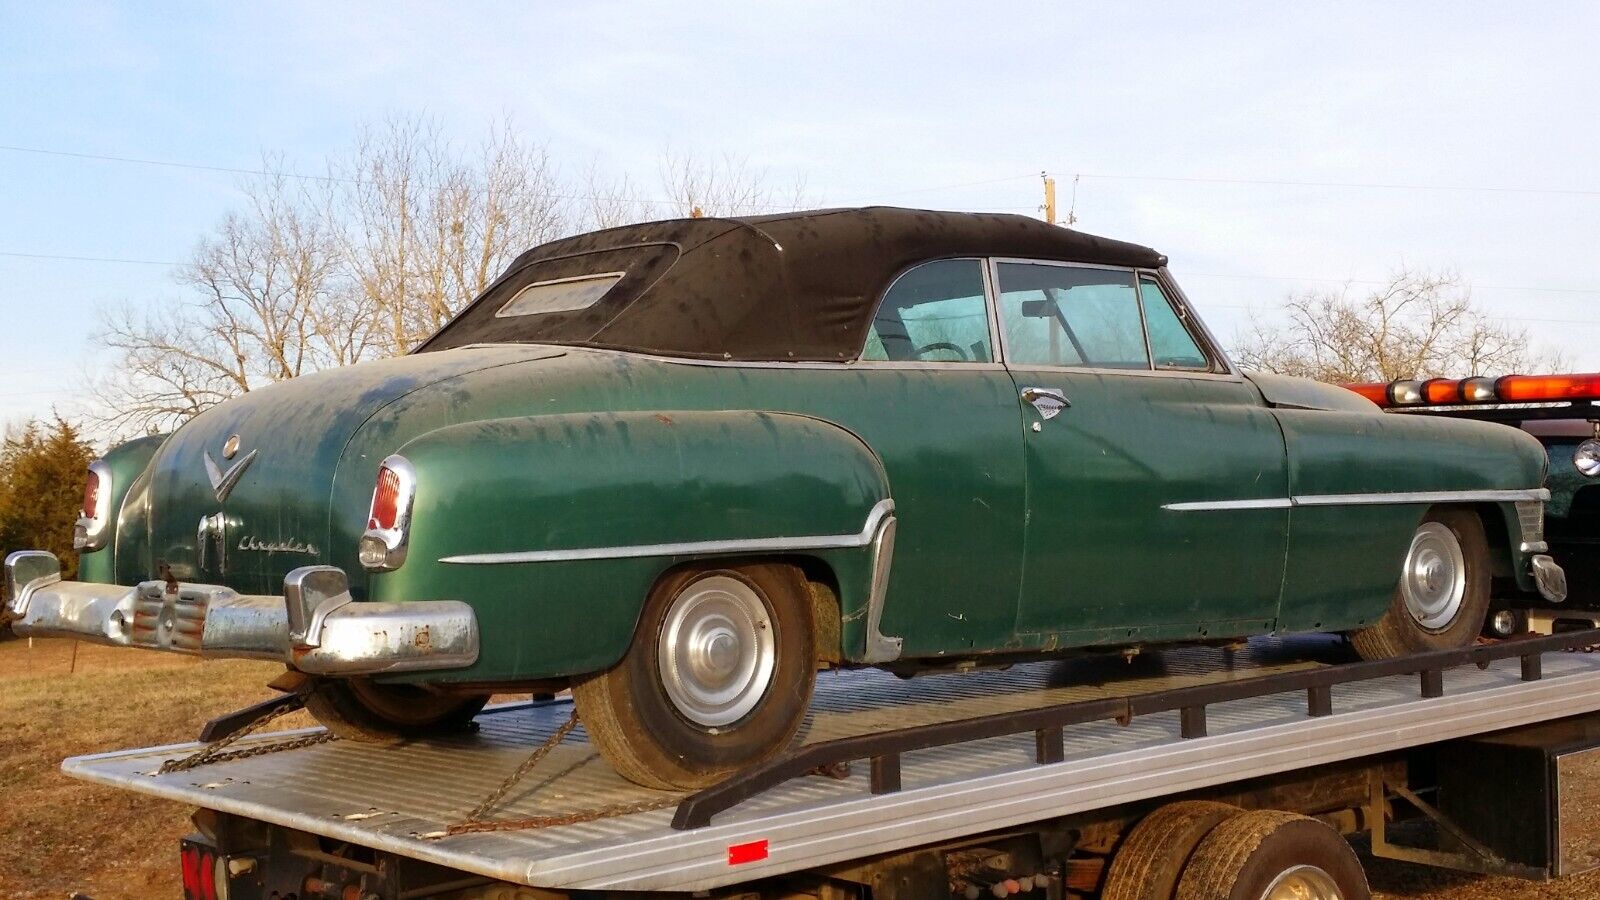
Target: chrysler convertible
{"points": [[680, 467]]}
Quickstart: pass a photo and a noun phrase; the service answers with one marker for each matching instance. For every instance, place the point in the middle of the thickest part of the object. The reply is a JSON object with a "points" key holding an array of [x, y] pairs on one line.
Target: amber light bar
{"points": [[1454, 392]]}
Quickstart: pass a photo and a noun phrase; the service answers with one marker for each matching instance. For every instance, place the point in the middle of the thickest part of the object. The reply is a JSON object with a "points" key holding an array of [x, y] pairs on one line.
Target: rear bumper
{"points": [[314, 626]]}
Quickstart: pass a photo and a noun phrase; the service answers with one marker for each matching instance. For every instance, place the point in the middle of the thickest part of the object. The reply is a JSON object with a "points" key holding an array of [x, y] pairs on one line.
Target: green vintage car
{"points": [[679, 467]]}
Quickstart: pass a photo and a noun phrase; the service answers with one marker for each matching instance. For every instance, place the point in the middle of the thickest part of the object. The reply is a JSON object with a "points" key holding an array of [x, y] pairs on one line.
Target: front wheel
{"points": [[719, 677], [361, 710], [1443, 594]]}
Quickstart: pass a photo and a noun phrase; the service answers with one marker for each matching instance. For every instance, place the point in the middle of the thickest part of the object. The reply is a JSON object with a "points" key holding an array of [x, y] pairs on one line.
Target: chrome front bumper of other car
{"points": [[315, 626]]}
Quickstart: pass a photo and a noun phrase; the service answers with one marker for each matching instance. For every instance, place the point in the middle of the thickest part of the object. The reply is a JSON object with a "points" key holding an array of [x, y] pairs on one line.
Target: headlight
{"points": [[1587, 458]]}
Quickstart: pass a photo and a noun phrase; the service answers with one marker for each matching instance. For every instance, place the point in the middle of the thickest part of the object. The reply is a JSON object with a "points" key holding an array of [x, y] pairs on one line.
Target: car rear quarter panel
{"points": [[127, 462], [1344, 559], [581, 481]]}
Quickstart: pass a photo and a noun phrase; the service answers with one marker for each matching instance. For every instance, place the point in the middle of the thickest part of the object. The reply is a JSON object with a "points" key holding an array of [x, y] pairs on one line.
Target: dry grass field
{"points": [[63, 836]]}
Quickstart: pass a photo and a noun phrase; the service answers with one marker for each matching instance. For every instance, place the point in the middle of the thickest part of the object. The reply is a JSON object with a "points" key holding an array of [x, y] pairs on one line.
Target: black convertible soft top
{"points": [[791, 286]]}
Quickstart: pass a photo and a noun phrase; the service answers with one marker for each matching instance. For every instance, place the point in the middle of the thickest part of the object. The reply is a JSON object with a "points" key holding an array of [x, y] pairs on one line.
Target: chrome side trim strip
{"points": [[1421, 497], [1267, 503], [865, 536], [1375, 499]]}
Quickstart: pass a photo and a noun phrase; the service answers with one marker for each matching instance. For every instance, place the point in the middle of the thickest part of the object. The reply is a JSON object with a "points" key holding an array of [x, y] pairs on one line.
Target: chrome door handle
{"points": [[1048, 401]]}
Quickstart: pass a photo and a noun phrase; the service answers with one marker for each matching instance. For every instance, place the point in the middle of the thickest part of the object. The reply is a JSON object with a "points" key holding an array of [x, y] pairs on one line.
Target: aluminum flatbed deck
{"points": [[401, 799]]}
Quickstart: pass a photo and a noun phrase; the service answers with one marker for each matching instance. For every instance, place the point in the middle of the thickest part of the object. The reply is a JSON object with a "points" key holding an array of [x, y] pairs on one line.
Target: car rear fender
{"points": [[126, 464], [554, 527]]}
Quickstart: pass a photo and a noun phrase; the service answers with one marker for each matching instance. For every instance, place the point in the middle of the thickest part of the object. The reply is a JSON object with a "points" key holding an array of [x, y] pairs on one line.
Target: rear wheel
{"points": [[719, 677], [1271, 855], [363, 710], [1151, 859], [1443, 595]]}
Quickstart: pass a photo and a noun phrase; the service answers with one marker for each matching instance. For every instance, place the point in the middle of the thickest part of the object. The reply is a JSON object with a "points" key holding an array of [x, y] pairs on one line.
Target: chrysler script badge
{"points": [[222, 482]]}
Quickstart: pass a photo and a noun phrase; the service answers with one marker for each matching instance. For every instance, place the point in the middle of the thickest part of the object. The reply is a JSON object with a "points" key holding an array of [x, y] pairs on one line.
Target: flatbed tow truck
{"points": [[1101, 776]]}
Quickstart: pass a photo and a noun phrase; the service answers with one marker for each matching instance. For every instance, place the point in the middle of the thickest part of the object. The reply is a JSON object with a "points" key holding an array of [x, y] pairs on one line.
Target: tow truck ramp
{"points": [[909, 762]]}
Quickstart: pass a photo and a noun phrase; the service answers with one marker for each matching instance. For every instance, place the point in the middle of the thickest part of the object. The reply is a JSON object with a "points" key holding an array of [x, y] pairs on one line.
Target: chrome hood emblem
{"points": [[222, 482]]}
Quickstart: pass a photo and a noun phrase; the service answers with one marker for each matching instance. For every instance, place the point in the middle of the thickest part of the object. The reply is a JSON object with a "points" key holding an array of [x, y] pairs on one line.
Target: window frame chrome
{"points": [[1222, 370], [996, 361]]}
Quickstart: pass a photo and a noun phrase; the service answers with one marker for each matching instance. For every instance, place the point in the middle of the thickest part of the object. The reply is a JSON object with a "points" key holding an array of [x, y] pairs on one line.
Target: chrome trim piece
{"points": [[1421, 497], [1550, 578], [1048, 401], [881, 648], [393, 541], [310, 594], [340, 637], [1374, 499], [27, 571], [222, 483], [882, 509], [91, 532], [212, 529], [1210, 505]]}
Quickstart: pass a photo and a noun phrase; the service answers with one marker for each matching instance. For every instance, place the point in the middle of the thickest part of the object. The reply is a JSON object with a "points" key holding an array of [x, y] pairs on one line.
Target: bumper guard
{"points": [[315, 626]]}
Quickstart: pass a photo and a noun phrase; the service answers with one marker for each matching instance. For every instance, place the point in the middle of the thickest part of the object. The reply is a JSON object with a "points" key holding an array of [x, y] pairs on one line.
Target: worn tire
{"points": [[1242, 857], [636, 726], [1151, 859], [1399, 633], [360, 710]]}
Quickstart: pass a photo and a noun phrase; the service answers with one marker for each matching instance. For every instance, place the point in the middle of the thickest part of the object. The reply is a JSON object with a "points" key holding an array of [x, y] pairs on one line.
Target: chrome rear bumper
{"points": [[314, 626]]}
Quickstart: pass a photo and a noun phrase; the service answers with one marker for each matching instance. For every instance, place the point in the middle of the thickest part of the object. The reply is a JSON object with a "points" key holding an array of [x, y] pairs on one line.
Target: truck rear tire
{"points": [[1270, 855], [360, 710], [1442, 598], [718, 678], [1151, 859]]}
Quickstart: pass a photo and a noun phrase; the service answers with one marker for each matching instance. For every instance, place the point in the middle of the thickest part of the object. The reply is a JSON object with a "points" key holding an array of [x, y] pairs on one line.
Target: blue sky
{"points": [[882, 102]]}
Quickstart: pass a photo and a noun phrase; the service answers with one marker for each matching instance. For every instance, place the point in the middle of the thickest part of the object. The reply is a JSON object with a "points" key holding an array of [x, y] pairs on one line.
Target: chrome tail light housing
{"points": [[93, 529], [383, 544]]}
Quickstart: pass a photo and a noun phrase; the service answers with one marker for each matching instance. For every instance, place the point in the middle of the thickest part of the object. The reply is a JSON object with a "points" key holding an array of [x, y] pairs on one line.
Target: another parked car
{"points": [[681, 466]]}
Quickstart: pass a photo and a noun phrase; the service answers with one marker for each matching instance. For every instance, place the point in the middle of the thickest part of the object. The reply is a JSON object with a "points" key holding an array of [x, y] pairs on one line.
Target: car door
{"points": [[1156, 477]]}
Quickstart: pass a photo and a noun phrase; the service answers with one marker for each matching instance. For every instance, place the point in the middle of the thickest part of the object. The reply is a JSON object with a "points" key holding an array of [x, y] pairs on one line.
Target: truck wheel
{"points": [[362, 710], [1443, 594], [719, 677], [1271, 855], [1152, 856]]}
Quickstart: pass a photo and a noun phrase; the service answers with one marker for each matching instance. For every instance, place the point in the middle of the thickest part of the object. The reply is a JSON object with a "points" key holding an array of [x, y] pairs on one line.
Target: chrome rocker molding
{"points": [[884, 509], [315, 626], [1375, 499]]}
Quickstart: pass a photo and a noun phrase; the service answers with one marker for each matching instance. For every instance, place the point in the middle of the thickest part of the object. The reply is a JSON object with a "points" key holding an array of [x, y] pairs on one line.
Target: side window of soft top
{"points": [[934, 312]]}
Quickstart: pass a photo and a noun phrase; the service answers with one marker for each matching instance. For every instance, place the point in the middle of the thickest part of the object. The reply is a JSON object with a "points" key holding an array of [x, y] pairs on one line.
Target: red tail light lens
{"points": [[199, 870], [383, 545], [385, 500], [91, 495]]}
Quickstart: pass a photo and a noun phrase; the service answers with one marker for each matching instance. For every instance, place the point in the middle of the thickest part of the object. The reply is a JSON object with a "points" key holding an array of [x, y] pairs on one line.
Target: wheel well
{"points": [[1498, 538]]}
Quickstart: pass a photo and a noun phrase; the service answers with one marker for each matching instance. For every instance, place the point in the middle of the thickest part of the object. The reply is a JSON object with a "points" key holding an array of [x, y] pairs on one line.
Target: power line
{"points": [[1475, 287], [100, 259], [1364, 185]]}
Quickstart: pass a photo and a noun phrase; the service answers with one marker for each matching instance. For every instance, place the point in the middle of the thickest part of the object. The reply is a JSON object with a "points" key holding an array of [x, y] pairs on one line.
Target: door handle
{"points": [[1048, 401]]}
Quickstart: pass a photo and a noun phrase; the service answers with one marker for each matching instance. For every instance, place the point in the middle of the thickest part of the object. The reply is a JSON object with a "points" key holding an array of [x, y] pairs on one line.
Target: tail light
{"points": [[94, 521], [202, 870], [383, 544], [1467, 391]]}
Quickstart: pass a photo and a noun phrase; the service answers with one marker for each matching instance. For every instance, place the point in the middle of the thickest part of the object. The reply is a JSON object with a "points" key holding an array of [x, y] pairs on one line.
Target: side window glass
{"points": [[1071, 316], [933, 313], [1171, 343]]}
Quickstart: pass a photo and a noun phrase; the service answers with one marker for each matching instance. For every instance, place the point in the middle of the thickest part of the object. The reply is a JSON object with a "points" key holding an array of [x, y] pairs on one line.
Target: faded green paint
{"points": [[127, 463], [1009, 538]]}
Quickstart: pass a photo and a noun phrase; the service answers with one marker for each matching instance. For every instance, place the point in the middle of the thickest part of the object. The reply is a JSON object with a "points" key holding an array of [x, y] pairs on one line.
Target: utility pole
{"points": [[1049, 198]]}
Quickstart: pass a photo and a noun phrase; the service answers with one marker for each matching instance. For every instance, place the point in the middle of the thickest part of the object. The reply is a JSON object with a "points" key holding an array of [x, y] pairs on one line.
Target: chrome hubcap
{"points": [[1303, 883], [717, 651], [1435, 579]]}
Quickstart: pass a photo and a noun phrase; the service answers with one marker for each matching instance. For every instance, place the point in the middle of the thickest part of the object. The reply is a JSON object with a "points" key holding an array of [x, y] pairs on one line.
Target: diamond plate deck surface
{"points": [[400, 798]]}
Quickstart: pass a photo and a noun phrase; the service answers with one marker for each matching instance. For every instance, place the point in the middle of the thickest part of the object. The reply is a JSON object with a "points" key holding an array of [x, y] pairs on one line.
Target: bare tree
{"points": [[424, 229], [372, 259], [265, 305], [1418, 325]]}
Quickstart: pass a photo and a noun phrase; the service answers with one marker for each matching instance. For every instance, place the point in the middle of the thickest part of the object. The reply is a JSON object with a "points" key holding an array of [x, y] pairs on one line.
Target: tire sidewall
{"points": [[767, 727], [1298, 843], [1468, 624]]}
